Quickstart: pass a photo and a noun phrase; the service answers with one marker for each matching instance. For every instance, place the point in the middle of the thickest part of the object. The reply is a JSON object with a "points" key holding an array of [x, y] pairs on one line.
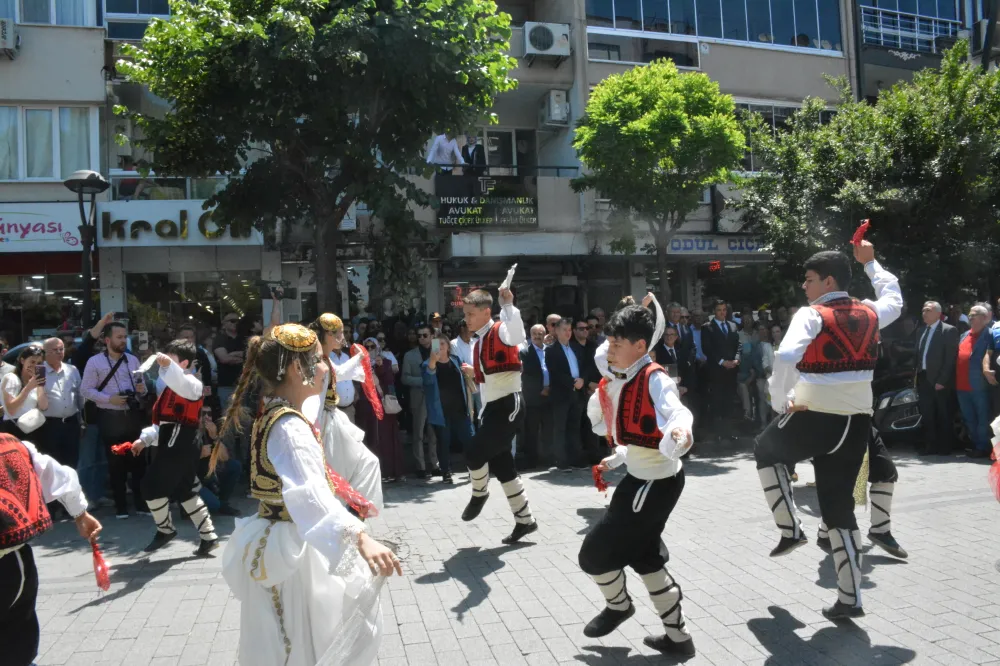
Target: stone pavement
{"points": [[466, 599]]}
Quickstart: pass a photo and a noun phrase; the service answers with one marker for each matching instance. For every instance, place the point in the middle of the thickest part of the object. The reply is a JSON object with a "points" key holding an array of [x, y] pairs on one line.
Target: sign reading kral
{"points": [[165, 223]]}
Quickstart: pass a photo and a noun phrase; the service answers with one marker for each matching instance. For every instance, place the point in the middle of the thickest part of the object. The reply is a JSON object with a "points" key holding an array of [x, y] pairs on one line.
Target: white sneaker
{"points": [[121, 516]]}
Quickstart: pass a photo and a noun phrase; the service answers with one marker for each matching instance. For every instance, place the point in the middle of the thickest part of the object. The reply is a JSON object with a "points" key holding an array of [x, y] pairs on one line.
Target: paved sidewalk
{"points": [[467, 599]]}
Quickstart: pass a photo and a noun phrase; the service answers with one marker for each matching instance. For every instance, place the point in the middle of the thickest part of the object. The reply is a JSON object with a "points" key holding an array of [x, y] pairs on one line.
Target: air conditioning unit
{"points": [[10, 40], [546, 40], [554, 109]]}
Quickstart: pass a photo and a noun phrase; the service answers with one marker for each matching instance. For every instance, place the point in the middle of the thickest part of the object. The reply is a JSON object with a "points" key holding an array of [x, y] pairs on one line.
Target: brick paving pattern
{"points": [[467, 599]]}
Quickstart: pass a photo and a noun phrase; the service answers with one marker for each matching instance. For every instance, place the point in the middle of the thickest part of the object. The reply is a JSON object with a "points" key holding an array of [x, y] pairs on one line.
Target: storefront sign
{"points": [[471, 202], [165, 223], [51, 227], [714, 245]]}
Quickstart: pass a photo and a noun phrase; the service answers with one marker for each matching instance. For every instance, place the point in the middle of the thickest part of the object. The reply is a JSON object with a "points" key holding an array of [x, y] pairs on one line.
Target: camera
{"points": [[132, 401]]}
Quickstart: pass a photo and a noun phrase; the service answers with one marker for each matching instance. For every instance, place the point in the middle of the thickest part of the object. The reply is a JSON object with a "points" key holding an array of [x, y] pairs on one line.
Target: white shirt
{"points": [[643, 463], [185, 384], [63, 389], [349, 370], [925, 342], [11, 386], [834, 392], [443, 151], [501, 384], [462, 349]]}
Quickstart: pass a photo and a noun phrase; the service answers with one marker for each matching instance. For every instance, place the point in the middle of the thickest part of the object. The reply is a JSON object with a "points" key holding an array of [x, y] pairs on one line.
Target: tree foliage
{"points": [[652, 140], [333, 100], [923, 163]]}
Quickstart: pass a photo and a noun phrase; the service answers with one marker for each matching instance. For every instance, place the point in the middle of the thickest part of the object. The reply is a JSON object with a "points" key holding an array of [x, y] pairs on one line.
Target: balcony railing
{"points": [[908, 32], [131, 186], [509, 170]]}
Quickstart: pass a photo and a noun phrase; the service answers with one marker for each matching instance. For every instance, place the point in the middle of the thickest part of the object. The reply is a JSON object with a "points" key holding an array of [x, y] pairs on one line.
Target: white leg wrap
{"points": [[612, 586], [881, 499], [518, 501], [160, 508], [847, 561], [198, 512], [480, 479], [778, 492], [666, 596]]}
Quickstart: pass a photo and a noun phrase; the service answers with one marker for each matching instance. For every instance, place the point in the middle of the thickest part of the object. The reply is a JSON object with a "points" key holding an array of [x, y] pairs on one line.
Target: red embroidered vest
{"points": [[636, 413], [495, 356], [848, 340], [171, 408], [23, 515]]}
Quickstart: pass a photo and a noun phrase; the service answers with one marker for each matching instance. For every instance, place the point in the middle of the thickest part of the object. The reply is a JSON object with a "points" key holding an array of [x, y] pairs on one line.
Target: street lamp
{"points": [[92, 183]]}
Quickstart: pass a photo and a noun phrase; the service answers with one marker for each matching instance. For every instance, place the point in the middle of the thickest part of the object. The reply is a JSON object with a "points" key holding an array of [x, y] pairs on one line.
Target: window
{"points": [[57, 12], [813, 24], [127, 19], [46, 142], [777, 116], [138, 7], [599, 51], [645, 50]]}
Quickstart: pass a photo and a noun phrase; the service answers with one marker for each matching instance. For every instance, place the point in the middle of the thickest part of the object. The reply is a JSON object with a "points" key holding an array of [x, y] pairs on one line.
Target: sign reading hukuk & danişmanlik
{"points": [[483, 202]]}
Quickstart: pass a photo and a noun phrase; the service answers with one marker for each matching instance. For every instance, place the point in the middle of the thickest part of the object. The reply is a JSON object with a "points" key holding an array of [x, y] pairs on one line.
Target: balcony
{"points": [[130, 186]]}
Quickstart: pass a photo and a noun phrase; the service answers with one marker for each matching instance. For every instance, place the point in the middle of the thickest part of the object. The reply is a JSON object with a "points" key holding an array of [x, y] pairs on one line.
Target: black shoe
{"points": [[160, 539], [521, 530], [787, 545], [474, 507], [888, 543], [436, 472], [421, 474], [446, 478], [227, 510], [841, 611], [607, 621], [667, 646], [206, 547], [824, 544], [977, 453]]}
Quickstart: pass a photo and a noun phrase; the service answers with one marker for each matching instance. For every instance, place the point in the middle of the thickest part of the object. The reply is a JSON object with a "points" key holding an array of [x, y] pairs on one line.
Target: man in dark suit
{"points": [[721, 345], [937, 354], [586, 351], [566, 384], [474, 156], [535, 390]]}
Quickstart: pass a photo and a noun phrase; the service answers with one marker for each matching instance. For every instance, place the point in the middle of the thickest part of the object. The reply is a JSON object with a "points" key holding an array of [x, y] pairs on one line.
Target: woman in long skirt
{"points": [[382, 435]]}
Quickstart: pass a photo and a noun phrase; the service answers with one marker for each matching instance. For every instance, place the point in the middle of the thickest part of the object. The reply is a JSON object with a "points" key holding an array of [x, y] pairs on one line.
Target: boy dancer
{"points": [[642, 411], [882, 475], [173, 474], [497, 369], [29, 479], [822, 387]]}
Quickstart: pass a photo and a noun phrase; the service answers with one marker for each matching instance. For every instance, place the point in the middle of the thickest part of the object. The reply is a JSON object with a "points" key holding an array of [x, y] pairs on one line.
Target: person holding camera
{"points": [[109, 382], [23, 393], [216, 488]]}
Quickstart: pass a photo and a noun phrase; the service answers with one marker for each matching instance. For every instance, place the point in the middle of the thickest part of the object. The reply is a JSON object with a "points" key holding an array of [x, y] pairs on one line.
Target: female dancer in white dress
{"points": [[302, 567], [344, 442]]}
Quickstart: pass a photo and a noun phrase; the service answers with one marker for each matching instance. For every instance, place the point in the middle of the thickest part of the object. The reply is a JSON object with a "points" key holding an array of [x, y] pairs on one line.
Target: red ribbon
{"points": [[369, 384], [101, 570], [859, 233], [602, 485], [342, 489], [994, 475], [121, 449], [605, 400]]}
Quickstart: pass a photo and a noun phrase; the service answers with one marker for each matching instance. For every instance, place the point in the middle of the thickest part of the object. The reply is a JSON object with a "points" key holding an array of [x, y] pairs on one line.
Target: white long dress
{"points": [[307, 596]]}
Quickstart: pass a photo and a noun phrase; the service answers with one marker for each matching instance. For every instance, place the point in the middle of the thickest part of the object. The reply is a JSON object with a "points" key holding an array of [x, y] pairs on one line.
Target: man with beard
{"points": [[230, 351]]}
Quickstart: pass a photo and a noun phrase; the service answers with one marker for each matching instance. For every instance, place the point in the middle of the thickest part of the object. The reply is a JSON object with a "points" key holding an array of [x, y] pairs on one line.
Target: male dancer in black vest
{"points": [[497, 370], [822, 387], [641, 409], [29, 479]]}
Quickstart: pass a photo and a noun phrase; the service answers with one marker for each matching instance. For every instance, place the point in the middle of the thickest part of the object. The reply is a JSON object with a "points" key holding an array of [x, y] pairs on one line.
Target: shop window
{"points": [[54, 141], [34, 307]]}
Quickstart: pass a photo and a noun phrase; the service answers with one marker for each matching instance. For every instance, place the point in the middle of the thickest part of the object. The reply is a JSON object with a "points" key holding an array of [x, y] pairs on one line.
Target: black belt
{"points": [[64, 418]]}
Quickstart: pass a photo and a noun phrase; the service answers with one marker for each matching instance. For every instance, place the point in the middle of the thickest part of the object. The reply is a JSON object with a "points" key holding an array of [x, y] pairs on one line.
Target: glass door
{"points": [[500, 152]]}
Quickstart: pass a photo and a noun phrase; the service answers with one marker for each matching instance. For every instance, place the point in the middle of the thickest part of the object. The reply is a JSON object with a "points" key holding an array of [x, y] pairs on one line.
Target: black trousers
{"points": [[835, 443], [881, 469], [630, 531], [61, 440], [492, 442], [173, 471], [18, 594], [935, 417], [566, 415], [118, 427], [537, 428], [721, 395]]}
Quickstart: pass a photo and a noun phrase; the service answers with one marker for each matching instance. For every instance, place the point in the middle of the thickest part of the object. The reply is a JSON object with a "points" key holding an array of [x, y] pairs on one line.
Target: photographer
{"points": [[23, 393], [110, 383]]}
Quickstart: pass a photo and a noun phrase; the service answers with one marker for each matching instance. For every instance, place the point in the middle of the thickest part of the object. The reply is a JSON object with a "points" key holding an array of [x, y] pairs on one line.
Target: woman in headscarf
{"points": [[381, 436], [306, 571]]}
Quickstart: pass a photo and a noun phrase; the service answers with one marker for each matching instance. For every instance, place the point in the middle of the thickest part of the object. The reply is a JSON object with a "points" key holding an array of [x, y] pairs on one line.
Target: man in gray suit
{"points": [[937, 354], [413, 378]]}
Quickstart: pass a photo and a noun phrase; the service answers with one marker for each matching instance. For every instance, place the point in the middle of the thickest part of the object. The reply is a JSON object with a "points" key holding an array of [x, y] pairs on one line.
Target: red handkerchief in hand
{"points": [[342, 489], [859, 233], [602, 485], [101, 568], [121, 449], [994, 475]]}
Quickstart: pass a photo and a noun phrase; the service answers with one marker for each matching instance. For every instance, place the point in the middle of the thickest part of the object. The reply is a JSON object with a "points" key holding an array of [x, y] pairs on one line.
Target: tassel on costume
{"points": [[861, 485]]}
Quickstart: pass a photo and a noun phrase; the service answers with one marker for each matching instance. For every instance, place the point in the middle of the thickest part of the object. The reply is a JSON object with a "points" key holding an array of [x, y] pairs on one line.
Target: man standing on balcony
{"points": [[474, 154], [444, 153]]}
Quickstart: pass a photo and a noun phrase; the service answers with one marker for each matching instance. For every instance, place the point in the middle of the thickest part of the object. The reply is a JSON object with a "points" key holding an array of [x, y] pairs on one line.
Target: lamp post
{"points": [[92, 183]]}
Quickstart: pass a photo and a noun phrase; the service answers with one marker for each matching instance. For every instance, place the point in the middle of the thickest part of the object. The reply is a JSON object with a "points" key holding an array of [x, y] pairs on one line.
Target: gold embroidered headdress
{"points": [[297, 339], [331, 323]]}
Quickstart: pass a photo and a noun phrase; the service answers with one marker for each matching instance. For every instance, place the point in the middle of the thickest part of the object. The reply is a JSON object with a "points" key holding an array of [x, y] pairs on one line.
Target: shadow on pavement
{"points": [[621, 655], [470, 566], [845, 643], [135, 574], [591, 516]]}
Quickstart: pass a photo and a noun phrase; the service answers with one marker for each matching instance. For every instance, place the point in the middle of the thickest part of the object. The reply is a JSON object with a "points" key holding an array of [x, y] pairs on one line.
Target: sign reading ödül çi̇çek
{"points": [[152, 223], [477, 202]]}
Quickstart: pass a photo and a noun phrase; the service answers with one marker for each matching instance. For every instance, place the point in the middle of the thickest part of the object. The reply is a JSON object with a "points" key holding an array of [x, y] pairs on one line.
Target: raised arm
{"points": [[511, 326], [889, 299], [187, 386]]}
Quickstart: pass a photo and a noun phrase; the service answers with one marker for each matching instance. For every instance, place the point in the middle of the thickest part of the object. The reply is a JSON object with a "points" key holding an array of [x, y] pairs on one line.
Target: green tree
{"points": [[334, 100], [923, 163], [652, 140]]}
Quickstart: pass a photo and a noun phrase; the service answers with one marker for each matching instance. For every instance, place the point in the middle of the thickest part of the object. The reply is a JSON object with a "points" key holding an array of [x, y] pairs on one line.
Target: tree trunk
{"points": [[665, 294], [326, 236]]}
